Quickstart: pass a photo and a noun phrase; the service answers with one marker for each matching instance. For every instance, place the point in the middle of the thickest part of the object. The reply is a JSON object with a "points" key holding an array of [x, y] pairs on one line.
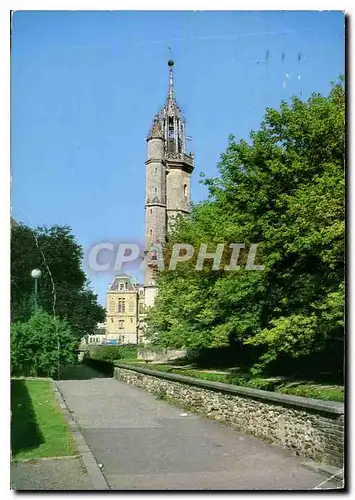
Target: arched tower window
{"points": [[171, 135]]}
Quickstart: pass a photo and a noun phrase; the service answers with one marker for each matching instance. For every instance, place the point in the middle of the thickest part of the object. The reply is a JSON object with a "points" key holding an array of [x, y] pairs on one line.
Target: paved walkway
{"points": [[50, 474], [147, 444]]}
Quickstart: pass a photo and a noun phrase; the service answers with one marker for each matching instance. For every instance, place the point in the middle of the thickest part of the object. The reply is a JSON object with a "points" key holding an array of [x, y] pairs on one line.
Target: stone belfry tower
{"points": [[168, 171]]}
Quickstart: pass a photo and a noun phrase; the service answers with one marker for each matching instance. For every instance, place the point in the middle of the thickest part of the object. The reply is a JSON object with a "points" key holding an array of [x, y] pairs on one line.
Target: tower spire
{"points": [[171, 95]]}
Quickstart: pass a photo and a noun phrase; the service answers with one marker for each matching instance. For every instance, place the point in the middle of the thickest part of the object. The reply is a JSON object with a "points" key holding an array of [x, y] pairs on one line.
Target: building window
{"points": [[155, 190], [151, 211], [141, 293], [151, 233], [121, 305], [123, 338], [156, 170], [185, 190], [111, 320], [120, 324], [123, 285], [131, 320], [141, 309]]}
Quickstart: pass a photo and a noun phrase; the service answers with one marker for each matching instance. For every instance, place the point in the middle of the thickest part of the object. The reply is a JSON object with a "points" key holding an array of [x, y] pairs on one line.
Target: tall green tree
{"points": [[284, 189], [63, 287]]}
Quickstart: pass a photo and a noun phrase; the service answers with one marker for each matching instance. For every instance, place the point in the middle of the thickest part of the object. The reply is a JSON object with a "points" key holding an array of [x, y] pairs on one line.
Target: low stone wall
{"points": [[308, 427], [159, 356]]}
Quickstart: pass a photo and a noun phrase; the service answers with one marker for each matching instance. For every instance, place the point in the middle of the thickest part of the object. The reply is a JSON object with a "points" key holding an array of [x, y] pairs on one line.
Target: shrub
{"points": [[107, 353], [114, 353], [102, 358], [128, 351], [335, 393], [34, 346]]}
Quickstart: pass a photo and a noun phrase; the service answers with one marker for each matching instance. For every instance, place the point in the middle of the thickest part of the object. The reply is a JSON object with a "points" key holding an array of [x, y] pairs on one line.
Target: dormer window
{"points": [[122, 285]]}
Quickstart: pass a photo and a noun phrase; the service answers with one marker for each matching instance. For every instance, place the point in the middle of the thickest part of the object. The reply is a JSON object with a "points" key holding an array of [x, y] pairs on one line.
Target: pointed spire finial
{"points": [[171, 79], [156, 130]]}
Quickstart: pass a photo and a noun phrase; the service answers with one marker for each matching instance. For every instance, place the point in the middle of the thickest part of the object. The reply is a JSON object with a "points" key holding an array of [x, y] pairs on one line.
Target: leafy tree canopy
{"points": [[63, 287], [285, 191], [41, 346]]}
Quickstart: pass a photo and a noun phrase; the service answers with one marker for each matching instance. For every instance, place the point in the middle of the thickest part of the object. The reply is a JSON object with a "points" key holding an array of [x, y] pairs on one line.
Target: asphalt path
{"points": [[142, 443]]}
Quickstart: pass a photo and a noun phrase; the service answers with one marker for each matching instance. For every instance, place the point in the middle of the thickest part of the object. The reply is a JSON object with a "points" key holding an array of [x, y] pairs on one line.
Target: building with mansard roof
{"points": [[124, 310]]}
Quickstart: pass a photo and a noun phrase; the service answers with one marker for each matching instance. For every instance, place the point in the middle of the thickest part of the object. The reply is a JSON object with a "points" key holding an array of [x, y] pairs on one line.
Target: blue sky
{"points": [[85, 87]]}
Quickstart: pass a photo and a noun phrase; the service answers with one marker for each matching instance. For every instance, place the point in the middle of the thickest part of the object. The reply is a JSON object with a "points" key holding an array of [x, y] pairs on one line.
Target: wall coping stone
{"points": [[329, 407]]}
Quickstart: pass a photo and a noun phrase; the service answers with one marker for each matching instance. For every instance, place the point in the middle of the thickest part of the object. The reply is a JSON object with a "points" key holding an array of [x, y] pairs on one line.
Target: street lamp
{"points": [[36, 274]]}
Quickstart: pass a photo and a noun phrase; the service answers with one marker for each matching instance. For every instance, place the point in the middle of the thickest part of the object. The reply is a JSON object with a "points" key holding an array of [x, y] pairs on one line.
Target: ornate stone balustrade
{"points": [[180, 157]]}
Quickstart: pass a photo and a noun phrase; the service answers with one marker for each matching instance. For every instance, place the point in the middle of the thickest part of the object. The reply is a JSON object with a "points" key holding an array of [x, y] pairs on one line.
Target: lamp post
{"points": [[36, 274]]}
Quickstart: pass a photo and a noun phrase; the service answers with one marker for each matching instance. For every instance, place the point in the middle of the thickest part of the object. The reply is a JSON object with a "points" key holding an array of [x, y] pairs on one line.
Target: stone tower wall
{"points": [[178, 193], [155, 208]]}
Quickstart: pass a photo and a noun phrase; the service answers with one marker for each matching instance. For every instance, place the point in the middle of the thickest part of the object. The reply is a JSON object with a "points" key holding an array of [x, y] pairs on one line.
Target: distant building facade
{"points": [[124, 311]]}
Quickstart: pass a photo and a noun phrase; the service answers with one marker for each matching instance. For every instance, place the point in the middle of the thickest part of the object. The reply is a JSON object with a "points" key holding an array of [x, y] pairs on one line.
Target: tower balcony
{"points": [[180, 157]]}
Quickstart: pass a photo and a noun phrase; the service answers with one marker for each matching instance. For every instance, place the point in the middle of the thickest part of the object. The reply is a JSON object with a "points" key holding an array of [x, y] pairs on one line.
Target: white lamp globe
{"points": [[36, 273]]}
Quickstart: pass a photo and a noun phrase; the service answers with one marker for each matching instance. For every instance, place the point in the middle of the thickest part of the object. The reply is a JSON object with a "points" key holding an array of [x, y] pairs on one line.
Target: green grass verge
{"points": [[309, 389], [38, 427]]}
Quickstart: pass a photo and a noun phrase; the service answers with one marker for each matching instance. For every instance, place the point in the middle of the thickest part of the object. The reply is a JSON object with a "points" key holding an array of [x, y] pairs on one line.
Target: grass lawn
{"points": [[305, 388], [38, 427]]}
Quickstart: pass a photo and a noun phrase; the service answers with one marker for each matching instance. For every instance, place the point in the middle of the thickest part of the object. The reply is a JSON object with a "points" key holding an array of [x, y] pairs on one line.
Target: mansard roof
{"points": [[122, 278]]}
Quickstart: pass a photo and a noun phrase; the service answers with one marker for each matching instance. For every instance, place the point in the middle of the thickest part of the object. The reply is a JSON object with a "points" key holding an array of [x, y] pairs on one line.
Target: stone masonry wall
{"points": [[175, 182], [160, 356], [311, 428]]}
